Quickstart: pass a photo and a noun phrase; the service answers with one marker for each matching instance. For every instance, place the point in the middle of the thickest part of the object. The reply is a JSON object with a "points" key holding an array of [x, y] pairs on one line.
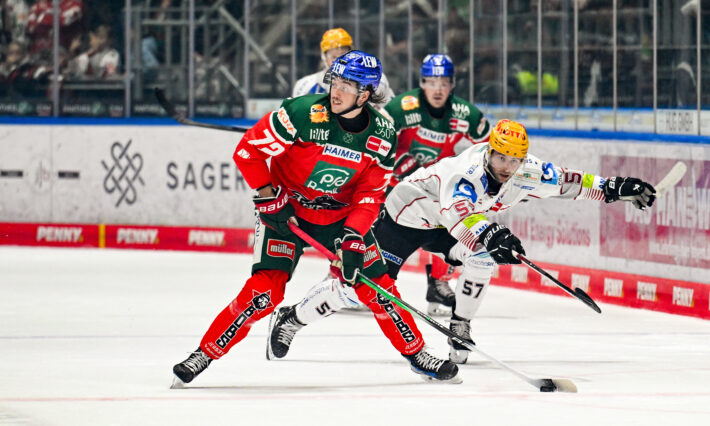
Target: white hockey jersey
{"points": [[313, 83], [453, 193]]}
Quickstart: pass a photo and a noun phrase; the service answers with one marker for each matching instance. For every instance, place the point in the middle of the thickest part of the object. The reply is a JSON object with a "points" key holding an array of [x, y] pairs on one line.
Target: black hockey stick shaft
{"points": [[182, 119], [576, 293], [563, 385]]}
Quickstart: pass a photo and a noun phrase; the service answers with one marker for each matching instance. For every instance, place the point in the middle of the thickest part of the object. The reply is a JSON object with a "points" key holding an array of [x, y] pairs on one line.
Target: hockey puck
{"points": [[548, 388]]}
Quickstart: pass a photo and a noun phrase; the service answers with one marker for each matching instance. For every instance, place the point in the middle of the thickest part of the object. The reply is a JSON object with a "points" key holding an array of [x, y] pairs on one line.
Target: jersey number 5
{"points": [[468, 288], [268, 145]]}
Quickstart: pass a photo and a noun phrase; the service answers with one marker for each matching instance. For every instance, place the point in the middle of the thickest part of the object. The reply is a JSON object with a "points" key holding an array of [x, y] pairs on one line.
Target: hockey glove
{"points": [[640, 193], [351, 251], [275, 211], [500, 243], [405, 165]]}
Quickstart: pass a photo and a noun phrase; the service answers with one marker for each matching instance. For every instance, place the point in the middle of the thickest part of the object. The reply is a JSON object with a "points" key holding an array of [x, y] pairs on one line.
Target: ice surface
{"points": [[89, 337]]}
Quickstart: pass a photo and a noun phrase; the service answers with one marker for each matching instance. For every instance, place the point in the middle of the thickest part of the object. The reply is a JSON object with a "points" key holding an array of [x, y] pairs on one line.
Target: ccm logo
{"points": [[279, 248]]}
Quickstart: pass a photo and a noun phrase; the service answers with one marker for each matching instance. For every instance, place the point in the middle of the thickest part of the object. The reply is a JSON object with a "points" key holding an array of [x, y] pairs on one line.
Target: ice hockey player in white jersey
{"points": [[334, 43], [445, 209]]}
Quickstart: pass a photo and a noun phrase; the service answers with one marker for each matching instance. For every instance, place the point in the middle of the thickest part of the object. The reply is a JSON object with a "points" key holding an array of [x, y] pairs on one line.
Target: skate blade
{"points": [[269, 353], [438, 310], [458, 357], [177, 383], [456, 380]]}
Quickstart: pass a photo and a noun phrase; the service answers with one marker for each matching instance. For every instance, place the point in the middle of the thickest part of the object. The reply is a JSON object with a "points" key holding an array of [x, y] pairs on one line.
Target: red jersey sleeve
{"points": [[368, 196]]}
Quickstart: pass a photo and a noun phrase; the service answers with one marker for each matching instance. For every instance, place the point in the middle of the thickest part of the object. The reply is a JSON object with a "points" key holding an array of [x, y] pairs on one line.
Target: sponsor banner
{"points": [[53, 235], [159, 175], [636, 291], [675, 231], [128, 236]]}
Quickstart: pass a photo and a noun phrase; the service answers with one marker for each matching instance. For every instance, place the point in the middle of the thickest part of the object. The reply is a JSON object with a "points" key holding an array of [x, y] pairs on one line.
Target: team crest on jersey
{"points": [[280, 248], [410, 102], [458, 125], [378, 145], [321, 202], [549, 174], [319, 114]]}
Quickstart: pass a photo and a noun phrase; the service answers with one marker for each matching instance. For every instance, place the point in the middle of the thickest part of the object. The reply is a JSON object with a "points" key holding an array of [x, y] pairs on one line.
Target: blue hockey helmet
{"points": [[437, 65], [357, 66]]}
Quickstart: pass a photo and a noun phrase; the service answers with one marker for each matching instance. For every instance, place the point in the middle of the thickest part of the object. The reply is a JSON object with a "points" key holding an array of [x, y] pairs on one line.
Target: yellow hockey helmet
{"points": [[336, 37], [509, 138]]}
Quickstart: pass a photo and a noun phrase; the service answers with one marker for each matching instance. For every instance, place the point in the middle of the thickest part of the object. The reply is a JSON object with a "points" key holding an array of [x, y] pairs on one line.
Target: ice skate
{"points": [[462, 327], [432, 368], [439, 295], [187, 370], [283, 325]]}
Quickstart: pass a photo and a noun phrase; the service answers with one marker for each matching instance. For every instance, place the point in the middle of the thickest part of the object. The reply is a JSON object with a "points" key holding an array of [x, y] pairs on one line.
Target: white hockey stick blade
{"points": [[565, 385], [671, 179]]}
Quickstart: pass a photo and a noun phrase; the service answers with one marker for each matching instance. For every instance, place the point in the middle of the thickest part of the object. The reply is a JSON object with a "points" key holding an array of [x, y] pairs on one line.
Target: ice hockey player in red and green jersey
{"points": [[432, 123], [322, 162]]}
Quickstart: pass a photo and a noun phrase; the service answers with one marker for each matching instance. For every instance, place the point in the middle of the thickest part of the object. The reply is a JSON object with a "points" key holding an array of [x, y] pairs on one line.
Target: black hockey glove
{"points": [[351, 251], [640, 193], [405, 165], [500, 243], [275, 211]]}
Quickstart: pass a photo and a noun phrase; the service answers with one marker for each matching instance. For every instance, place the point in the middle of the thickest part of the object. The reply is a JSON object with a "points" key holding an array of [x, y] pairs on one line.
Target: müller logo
{"points": [[279, 248], [121, 175]]}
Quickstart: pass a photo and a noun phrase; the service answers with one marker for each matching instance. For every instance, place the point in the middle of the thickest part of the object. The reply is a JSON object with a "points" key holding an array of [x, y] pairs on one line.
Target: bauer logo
{"points": [[344, 153], [378, 145], [683, 297], [280, 248], [123, 173], [646, 291], [59, 234], [205, 238], [136, 236], [329, 178], [613, 287]]}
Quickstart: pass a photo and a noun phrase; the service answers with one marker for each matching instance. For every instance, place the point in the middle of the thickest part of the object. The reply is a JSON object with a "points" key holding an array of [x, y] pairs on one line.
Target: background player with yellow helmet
{"points": [[449, 208], [336, 42]]}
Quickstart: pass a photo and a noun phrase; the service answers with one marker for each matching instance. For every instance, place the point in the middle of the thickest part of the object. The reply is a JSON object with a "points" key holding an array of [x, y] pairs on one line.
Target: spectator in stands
{"points": [[101, 60], [13, 21], [41, 20], [19, 75]]}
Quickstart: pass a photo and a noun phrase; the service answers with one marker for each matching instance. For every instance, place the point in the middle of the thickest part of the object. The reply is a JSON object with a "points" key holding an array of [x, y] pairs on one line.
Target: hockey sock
{"points": [[397, 324], [262, 292], [441, 270]]}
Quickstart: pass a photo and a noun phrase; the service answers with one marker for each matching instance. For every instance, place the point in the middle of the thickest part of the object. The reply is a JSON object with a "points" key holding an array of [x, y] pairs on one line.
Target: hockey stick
{"points": [[577, 292], [182, 119], [671, 179], [544, 385]]}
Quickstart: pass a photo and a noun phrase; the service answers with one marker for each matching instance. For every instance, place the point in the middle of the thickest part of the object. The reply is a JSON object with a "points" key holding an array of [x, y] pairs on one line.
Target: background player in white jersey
{"points": [[444, 209], [334, 43]]}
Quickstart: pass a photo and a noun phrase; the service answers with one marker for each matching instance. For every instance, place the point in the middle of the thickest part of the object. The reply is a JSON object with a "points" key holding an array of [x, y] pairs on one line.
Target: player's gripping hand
{"points": [[640, 193], [275, 211], [500, 243], [405, 165], [351, 252]]}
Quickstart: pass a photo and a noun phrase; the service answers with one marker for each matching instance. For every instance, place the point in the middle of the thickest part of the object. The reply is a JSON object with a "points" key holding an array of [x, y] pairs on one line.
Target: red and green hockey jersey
{"points": [[329, 173], [430, 139]]}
